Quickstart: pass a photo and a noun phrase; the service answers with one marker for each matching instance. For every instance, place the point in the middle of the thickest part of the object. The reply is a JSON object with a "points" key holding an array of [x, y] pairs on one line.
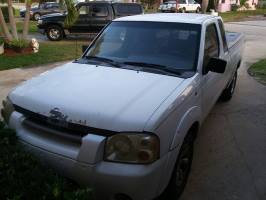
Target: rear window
{"points": [[127, 9]]}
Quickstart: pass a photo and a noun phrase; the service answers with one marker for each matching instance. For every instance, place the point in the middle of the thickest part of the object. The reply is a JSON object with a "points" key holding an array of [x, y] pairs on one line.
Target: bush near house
{"points": [[22, 176]]}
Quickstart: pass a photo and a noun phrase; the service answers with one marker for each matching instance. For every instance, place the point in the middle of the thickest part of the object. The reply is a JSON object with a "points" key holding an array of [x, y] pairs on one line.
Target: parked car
{"points": [[182, 6], [93, 16], [123, 118], [43, 9]]}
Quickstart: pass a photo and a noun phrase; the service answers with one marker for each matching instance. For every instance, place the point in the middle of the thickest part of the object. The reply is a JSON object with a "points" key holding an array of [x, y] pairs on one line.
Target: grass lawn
{"points": [[240, 15], [32, 27], [49, 52], [258, 70], [23, 177]]}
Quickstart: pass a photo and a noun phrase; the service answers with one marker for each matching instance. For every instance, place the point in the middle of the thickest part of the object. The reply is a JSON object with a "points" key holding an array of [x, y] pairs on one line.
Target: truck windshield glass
{"points": [[173, 45]]}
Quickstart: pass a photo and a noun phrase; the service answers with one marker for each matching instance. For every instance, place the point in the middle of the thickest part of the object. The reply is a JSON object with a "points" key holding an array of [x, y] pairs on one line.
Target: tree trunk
{"points": [[12, 20], [26, 20], [4, 27], [204, 5]]}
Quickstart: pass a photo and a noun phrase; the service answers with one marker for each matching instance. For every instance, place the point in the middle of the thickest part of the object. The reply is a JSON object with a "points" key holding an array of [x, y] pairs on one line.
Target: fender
{"points": [[189, 118]]}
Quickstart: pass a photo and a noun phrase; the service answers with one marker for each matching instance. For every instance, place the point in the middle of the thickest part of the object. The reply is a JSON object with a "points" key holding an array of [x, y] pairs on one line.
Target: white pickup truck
{"points": [[180, 6], [122, 119]]}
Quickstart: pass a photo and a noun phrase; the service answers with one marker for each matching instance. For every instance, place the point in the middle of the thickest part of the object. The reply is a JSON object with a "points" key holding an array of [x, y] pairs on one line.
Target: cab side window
{"points": [[211, 47], [99, 11], [221, 26], [84, 10]]}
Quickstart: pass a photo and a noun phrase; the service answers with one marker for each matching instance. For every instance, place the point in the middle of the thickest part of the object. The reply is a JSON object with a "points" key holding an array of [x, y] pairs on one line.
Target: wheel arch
{"points": [[193, 128], [190, 122]]}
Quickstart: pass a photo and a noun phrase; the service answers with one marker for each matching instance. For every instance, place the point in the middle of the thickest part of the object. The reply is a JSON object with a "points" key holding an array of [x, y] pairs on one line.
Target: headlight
{"points": [[7, 110], [39, 21], [132, 148]]}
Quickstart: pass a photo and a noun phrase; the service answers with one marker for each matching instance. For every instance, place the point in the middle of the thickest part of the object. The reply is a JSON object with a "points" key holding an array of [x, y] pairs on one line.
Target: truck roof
{"points": [[169, 17]]}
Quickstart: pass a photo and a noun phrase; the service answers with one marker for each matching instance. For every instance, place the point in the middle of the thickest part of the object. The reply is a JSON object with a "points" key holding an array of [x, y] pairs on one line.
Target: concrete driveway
{"points": [[230, 151]]}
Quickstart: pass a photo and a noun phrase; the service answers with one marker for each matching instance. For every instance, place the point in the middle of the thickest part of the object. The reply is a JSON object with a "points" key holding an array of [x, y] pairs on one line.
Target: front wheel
{"points": [[36, 16], [54, 33], [181, 171], [198, 10], [228, 92]]}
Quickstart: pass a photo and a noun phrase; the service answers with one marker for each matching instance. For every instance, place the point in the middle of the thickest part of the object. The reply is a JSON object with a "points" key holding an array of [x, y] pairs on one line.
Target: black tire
{"points": [[36, 16], [54, 33], [182, 10], [198, 10], [228, 92], [181, 170]]}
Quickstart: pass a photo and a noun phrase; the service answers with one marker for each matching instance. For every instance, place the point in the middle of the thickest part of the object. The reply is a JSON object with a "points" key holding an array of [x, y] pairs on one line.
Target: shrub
{"points": [[246, 5], [5, 12], [23, 177], [234, 7], [18, 44], [2, 40]]}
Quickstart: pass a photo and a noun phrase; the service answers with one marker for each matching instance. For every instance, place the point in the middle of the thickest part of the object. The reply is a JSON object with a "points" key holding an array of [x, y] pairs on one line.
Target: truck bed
{"points": [[232, 38]]}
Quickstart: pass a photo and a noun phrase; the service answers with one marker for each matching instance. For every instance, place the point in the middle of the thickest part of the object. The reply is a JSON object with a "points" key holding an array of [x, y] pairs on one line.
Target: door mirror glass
{"points": [[216, 65]]}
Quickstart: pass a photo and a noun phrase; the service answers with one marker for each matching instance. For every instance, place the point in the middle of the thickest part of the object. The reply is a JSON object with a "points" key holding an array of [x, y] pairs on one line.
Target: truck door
{"points": [[100, 16], [190, 5], [82, 25], [212, 83]]}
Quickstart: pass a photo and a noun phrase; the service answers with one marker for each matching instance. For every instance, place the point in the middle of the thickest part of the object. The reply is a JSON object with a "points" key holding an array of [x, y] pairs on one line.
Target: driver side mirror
{"points": [[216, 65]]}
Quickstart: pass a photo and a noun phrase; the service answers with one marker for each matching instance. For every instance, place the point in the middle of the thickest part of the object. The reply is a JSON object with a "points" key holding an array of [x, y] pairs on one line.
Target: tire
{"points": [[54, 33], [181, 170], [36, 16], [228, 92], [182, 10], [198, 10]]}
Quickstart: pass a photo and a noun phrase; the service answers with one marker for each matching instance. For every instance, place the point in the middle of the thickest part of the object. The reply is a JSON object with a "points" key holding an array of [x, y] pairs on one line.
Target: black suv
{"points": [[43, 9], [93, 16]]}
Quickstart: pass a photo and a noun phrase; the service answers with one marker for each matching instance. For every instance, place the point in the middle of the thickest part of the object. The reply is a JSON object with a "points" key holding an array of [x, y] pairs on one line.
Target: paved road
{"points": [[230, 152]]}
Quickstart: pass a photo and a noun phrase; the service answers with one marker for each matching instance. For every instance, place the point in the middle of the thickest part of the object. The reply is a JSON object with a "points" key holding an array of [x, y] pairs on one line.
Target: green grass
{"points": [[49, 52], [32, 27], [240, 15], [23, 177], [258, 70]]}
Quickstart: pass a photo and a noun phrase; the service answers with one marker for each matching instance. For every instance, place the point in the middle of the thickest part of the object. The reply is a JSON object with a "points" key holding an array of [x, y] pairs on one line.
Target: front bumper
{"points": [[83, 163]]}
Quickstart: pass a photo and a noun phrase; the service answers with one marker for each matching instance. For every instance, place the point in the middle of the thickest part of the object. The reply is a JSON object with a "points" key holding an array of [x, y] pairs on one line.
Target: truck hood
{"points": [[96, 96]]}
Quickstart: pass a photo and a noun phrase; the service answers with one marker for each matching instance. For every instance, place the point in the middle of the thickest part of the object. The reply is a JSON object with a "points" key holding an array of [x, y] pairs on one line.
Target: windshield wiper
{"points": [[105, 60], [157, 67]]}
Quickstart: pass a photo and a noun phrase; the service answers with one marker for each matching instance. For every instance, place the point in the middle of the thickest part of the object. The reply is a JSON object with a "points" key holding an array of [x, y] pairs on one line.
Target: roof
{"points": [[169, 17]]}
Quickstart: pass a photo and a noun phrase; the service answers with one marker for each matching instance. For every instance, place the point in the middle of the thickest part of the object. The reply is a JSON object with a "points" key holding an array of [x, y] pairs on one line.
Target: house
{"points": [[225, 5]]}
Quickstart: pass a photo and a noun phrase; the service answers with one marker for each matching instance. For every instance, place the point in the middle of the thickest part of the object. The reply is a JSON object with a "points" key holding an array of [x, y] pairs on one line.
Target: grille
{"points": [[34, 119]]}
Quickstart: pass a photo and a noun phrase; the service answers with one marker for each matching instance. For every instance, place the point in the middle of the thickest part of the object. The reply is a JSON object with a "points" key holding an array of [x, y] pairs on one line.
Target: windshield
{"points": [[173, 45]]}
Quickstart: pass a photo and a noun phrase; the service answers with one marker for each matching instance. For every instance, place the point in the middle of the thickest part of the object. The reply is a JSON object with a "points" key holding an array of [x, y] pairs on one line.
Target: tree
{"points": [[5, 32], [26, 20], [12, 20], [204, 5]]}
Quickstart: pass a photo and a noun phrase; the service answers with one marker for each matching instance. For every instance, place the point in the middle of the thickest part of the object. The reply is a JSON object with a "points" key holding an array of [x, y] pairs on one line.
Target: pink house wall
{"points": [[225, 5]]}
